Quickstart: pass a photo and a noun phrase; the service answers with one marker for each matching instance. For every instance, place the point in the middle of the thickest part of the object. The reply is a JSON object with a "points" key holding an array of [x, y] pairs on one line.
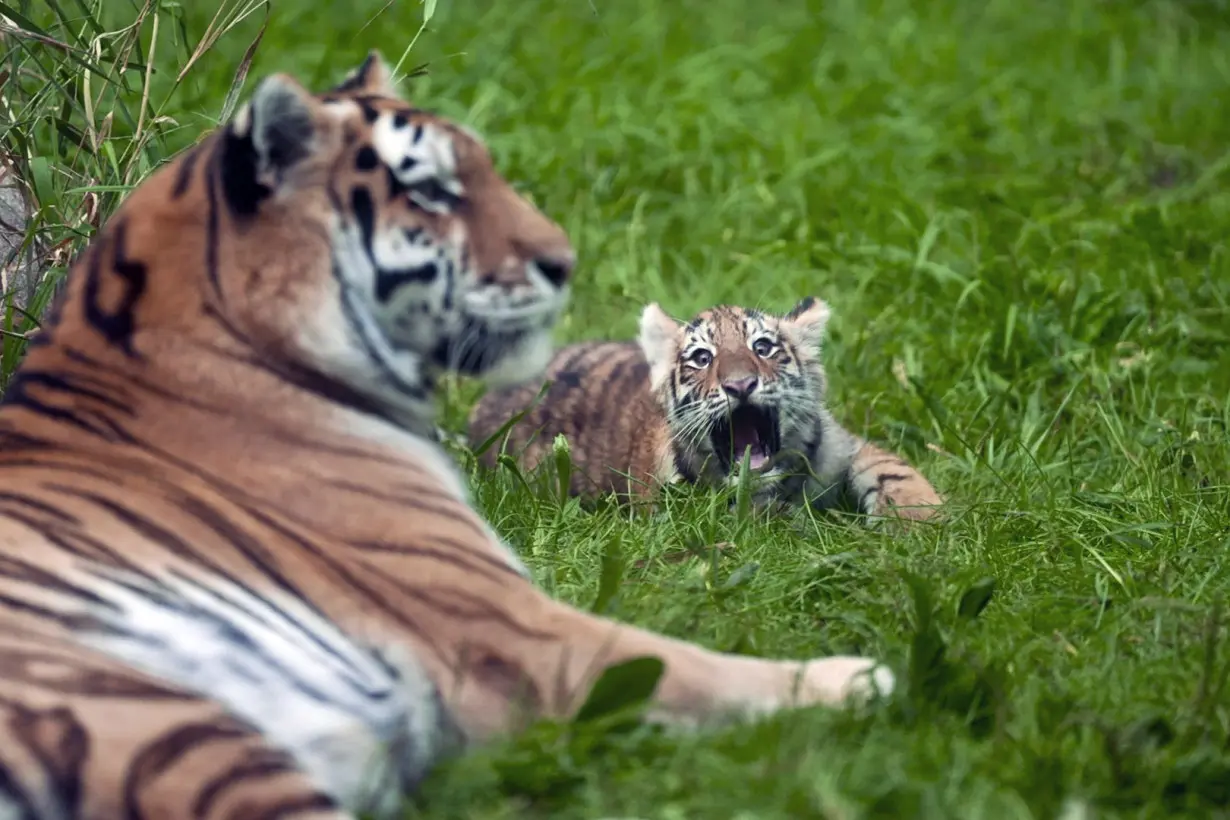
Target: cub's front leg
{"points": [[884, 484]]}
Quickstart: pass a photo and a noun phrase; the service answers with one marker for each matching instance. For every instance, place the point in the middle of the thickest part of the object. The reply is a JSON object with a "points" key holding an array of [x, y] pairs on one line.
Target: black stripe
{"points": [[29, 575], [162, 753], [601, 409], [304, 804], [69, 621], [28, 668], [455, 553], [18, 395], [574, 355], [243, 541], [357, 79], [183, 174], [12, 794], [364, 211], [467, 606], [61, 745], [116, 327], [799, 308], [83, 546], [129, 379], [39, 506], [389, 281], [73, 387], [211, 222], [412, 495], [263, 763], [636, 384], [145, 528], [12, 442]]}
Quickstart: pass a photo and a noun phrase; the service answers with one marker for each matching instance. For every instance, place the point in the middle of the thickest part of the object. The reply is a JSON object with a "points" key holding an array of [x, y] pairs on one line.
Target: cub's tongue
{"points": [[745, 436]]}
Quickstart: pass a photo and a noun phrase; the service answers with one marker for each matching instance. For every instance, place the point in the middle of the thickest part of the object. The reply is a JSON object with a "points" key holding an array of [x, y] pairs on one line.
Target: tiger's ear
{"points": [[372, 77], [806, 323], [659, 340], [276, 128]]}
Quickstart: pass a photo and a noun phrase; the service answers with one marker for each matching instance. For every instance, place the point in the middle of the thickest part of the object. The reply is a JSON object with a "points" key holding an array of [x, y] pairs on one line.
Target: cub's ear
{"points": [[806, 323], [659, 340], [372, 77]]}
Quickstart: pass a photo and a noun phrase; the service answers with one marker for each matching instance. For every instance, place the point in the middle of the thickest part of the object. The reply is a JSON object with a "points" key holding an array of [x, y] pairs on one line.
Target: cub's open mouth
{"points": [[747, 427]]}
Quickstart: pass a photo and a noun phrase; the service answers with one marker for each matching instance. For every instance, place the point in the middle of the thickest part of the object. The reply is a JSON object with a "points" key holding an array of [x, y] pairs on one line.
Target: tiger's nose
{"points": [[556, 266], [740, 388]]}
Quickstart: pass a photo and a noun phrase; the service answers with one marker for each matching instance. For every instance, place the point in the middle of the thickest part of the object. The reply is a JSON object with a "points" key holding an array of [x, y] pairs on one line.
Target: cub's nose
{"points": [[740, 388]]}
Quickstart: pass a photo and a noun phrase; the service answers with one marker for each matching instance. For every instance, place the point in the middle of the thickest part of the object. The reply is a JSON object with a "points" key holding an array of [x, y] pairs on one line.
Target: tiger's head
{"points": [[348, 240], [735, 380]]}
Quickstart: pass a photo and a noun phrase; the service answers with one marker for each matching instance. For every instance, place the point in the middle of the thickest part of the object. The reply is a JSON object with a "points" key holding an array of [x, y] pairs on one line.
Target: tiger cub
{"points": [[689, 401]]}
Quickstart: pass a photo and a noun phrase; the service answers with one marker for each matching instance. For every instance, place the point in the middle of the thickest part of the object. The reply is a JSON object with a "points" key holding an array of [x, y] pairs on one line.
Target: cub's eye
{"points": [[700, 358], [763, 347]]}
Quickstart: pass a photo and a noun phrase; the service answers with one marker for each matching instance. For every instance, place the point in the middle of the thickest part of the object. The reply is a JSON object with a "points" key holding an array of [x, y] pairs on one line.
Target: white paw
{"points": [[838, 679]]}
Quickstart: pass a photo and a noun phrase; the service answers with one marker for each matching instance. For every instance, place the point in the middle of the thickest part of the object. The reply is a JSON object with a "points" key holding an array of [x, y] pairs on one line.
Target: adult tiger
{"points": [[237, 579]]}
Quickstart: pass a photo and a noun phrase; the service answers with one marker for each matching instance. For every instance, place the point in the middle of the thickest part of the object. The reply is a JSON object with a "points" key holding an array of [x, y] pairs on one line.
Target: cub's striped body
{"points": [[599, 399], [688, 400], [237, 577]]}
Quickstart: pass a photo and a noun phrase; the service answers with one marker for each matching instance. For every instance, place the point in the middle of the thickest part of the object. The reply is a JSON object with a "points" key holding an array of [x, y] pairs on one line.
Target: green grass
{"points": [[1019, 215]]}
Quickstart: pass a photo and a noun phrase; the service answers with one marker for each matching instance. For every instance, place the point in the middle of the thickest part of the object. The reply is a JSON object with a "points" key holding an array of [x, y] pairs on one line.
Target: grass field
{"points": [[1020, 217]]}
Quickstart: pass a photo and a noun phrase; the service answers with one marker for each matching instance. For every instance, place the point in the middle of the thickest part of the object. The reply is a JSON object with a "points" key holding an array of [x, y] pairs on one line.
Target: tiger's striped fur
{"points": [[638, 415], [237, 577]]}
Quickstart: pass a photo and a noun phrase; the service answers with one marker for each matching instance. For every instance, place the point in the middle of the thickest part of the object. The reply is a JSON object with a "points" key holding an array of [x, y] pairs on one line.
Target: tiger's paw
{"points": [[845, 679]]}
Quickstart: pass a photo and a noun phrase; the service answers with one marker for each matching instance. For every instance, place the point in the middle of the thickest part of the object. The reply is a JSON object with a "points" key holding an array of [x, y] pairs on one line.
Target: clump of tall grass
{"points": [[82, 121]]}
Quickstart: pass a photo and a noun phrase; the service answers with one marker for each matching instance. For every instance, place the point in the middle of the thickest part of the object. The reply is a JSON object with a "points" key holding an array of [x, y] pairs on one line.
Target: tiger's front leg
{"points": [[546, 666]]}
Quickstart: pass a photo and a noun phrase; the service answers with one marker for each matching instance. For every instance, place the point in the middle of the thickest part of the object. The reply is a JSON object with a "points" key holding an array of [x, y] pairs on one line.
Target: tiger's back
{"points": [[599, 399]]}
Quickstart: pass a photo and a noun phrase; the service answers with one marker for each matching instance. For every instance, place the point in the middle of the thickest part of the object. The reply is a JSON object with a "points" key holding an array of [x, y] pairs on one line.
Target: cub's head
{"points": [[349, 240], [735, 380]]}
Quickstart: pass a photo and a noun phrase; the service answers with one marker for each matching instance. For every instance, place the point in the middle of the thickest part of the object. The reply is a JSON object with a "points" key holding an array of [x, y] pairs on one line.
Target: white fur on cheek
{"points": [[522, 364]]}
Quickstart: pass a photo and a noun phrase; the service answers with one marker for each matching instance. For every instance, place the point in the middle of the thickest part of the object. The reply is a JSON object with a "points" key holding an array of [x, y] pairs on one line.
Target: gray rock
{"points": [[18, 271]]}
